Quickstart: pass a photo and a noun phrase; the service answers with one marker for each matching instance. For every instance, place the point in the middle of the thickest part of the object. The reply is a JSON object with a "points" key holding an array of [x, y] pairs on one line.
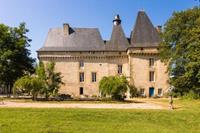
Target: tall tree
{"points": [[181, 49], [15, 58], [52, 79]]}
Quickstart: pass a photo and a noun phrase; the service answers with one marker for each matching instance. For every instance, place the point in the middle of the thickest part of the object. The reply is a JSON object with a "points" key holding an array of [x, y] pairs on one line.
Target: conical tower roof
{"points": [[144, 33], [118, 40]]}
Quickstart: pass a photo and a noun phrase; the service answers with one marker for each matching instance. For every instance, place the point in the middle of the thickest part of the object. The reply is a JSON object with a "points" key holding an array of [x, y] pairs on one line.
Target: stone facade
{"points": [[135, 66], [141, 65]]}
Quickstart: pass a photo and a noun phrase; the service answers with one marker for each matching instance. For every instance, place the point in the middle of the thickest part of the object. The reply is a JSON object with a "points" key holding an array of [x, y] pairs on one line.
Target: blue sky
{"points": [[40, 15]]}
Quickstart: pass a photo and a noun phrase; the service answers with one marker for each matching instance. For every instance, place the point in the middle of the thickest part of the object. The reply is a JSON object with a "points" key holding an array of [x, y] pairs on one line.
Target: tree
{"points": [[30, 85], [114, 86], [180, 49], [15, 58], [52, 79], [45, 81]]}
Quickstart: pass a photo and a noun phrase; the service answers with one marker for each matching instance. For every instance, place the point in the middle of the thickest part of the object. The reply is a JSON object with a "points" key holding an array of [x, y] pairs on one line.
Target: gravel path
{"points": [[84, 105]]}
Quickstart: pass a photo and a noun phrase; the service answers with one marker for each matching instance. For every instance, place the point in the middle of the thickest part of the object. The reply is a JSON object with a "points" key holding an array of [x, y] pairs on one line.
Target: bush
{"points": [[191, 95], [62, 97], [133, 91], [106, 99], [94, 96]]}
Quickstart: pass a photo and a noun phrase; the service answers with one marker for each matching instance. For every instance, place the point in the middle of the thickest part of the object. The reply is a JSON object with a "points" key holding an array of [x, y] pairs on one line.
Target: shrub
{"points": [[62, 97], [191, 95], [94, 96], [133, 91]]}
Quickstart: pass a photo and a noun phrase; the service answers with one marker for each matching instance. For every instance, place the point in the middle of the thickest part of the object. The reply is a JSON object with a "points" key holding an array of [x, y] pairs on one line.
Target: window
{"points": [[94, 76], [81, 64], [81, 90], [151, 76], [119, 69], [151, 62], [159, 91], [141, 91], [81, 76]]}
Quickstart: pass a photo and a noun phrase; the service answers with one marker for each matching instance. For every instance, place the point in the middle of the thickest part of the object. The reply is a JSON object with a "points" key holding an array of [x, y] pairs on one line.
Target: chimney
{"points": [[66, 29], [117, 20], [159, 28]]}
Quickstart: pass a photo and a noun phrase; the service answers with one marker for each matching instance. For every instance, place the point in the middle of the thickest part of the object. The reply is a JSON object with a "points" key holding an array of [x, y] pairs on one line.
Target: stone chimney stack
{"points": [[66, 29], [159, 28], [117, 20]]}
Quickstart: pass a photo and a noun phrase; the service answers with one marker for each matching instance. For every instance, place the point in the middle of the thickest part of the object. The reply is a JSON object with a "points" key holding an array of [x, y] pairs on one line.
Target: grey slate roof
{"points": [[118, 40], [80, 39], [89, 39], [144, 33]]}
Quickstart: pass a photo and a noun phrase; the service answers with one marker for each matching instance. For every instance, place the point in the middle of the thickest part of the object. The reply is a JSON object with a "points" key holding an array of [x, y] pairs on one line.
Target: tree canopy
{"points": [[52, 79], [45, 81], [15, 58], [30, 85], [180, 49], [114, 86]]}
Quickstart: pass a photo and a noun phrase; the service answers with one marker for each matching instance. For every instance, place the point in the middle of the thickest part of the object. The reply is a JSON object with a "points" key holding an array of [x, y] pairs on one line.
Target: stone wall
{"points": [[140, 70], [135, 67], [105, 65]]}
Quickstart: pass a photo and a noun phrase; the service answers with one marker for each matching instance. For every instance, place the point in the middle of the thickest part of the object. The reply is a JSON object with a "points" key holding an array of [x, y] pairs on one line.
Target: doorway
{"points": [[151, 91], [81, 90]]}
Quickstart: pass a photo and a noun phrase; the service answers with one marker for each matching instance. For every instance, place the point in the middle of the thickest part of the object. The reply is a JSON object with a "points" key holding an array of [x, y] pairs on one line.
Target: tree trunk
{"points": [[46, 96], [34, 97]]}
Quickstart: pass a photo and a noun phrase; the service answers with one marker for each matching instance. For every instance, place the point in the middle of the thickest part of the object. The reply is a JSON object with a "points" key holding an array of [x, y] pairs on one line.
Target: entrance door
{"points": [[151, 92], [81, 90]]}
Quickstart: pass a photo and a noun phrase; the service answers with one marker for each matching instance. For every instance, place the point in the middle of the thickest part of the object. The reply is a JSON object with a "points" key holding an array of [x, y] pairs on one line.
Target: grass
{"points": [[185, 119]]}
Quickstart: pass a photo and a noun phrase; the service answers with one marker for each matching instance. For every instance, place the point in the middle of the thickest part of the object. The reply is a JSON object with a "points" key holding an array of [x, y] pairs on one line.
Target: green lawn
{"points": [[185, 119], [72, 101]]}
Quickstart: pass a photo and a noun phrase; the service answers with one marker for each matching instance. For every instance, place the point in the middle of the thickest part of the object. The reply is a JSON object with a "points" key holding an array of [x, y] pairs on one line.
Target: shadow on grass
{"points": [[89, 101]]}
